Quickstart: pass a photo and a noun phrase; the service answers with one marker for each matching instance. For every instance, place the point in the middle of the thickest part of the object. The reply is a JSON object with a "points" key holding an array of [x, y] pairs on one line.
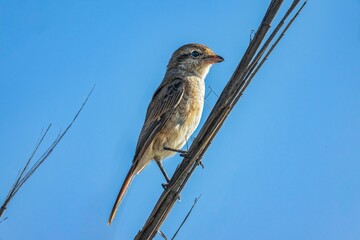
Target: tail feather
{"points": [[123, 189]]}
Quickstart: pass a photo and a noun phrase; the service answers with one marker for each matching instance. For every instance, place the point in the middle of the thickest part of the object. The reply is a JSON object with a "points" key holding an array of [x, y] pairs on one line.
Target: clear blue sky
{"points": [[285, 165]]}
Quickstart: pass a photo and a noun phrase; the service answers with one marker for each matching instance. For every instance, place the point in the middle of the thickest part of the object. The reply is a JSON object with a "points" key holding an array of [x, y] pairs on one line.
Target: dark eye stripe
{"points": [[194, 54], [182, 57]]}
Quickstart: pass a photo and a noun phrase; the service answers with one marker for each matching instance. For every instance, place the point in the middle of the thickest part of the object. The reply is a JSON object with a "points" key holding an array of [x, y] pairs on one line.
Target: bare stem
{"points": [[26, 173]]}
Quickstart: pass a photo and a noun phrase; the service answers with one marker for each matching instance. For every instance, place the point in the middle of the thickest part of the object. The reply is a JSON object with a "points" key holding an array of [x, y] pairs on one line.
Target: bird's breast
{"points": [[191, 107], [183, 121]]}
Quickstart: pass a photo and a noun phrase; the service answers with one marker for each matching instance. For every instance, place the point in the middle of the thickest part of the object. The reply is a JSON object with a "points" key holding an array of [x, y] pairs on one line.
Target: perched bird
{"points": [[174, 111]]}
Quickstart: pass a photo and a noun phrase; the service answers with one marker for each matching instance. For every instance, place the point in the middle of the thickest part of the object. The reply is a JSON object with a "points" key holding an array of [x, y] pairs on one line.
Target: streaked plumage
{"points": [[174, 111]]}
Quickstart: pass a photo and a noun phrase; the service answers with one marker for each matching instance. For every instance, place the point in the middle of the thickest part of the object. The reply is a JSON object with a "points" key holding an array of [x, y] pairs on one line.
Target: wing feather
{"points": [[164, 101]]}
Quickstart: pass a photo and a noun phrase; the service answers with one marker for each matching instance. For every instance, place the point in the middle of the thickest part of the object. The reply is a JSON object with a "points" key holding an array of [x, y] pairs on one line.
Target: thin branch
{"points": [[18, 180], [25, 174], [22, 179], [272, 47], [3, 219], [228, 98], [162, 234], [186, 217]]}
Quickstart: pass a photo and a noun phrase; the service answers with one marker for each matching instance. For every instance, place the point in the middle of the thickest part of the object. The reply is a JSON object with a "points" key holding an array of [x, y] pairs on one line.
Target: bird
{"points": [[173, 113]]}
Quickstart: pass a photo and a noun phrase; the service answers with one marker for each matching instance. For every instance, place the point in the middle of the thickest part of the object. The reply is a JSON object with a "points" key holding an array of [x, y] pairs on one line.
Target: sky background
{"points": [[285, 165]]}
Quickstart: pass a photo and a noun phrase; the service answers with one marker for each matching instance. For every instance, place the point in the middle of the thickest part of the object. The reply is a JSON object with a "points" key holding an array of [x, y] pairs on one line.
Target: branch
{"points": [[25, 174], [232, 92]]}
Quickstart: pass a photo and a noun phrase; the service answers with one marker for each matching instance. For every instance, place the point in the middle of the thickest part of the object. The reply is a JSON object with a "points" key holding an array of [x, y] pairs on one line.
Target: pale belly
{"points": [[178, 130], [175, 134]]}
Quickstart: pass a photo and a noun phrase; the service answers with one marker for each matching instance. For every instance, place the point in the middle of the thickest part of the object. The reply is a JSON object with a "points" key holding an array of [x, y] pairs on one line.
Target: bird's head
{"points": [[196, 58]]}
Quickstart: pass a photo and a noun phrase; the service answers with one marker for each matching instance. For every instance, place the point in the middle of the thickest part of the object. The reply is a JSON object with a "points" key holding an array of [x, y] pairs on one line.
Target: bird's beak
{"points": [[214, 59]]}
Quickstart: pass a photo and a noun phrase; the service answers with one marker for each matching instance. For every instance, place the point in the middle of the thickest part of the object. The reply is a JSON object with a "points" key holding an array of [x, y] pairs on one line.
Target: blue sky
{"points": [[285, 165]]}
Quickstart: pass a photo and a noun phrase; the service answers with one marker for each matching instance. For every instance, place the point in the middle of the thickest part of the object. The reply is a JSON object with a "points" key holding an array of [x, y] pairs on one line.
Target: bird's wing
{"points": [[164, 101]]}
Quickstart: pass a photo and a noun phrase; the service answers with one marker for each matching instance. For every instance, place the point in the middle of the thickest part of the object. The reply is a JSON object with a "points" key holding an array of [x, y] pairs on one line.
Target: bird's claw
{"points": [[201, 164]]}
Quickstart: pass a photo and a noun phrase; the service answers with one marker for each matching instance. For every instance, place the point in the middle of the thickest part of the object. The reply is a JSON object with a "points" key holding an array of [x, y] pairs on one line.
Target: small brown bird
{"points": [[174, 111]]}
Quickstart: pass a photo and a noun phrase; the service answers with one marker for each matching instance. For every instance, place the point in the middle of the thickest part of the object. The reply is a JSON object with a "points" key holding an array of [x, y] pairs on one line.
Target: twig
{"points": [[273, 46], [17, 184], [25, 174], [162, 234], [186, 217], [3, 219]]}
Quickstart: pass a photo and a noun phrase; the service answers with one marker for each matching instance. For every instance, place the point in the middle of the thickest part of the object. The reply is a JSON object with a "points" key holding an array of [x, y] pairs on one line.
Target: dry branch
{"points": [[26, 173], [232, 92]]}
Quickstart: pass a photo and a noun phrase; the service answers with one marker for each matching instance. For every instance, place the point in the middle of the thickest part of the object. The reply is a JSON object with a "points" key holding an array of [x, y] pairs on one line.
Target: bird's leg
{"points": [[182, 152], [162, 169], [164, 185]]}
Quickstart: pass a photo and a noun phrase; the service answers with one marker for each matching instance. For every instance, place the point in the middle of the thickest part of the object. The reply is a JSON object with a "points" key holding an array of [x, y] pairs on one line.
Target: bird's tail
{"points": [[123, 189]]}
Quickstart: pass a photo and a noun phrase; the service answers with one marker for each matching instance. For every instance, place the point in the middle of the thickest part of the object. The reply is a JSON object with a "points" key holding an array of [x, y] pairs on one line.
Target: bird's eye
{"points": [[195, 54]]}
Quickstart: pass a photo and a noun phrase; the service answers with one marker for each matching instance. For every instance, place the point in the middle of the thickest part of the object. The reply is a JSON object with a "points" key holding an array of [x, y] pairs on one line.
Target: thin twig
{"points": [[258, 66], [3, 219], [186, 217], [162, 234], [26, 173]]}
